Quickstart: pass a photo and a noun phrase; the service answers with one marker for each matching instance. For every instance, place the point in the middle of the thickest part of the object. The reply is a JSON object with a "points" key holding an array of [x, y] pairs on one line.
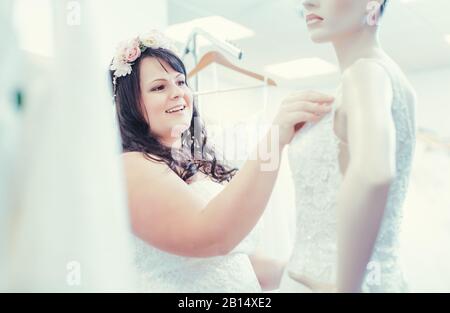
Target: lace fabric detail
{"points": [[313, 157], [164, 272], [314, 161]]}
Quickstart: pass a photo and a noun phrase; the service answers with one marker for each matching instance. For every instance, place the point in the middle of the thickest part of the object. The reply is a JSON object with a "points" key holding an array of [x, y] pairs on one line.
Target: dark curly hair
{"points": [[195, 155]]}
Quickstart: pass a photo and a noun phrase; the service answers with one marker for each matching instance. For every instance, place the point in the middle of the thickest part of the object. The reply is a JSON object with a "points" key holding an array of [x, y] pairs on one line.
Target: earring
{"points": [[374, 11]]}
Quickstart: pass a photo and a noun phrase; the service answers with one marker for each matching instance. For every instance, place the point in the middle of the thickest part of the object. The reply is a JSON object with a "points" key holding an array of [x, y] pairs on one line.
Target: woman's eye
{"points": [[181, 83], [158, 88]]}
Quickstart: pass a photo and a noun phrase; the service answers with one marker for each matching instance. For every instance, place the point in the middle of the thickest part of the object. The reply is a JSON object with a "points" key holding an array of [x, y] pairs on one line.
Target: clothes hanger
{"points": [[218, 58], [433, 140]]}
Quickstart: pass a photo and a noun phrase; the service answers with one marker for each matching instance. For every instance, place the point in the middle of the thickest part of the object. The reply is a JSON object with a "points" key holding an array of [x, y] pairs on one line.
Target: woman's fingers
{"points": [[305, 106], [299, 126], [302, 279], [299, 117], [311, 96], [315, 286], [310, 107]]}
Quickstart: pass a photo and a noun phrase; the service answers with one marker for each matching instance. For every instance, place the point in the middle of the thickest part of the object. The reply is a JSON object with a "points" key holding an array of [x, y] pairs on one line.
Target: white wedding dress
{"points": [[314, 161], [164, 272]]}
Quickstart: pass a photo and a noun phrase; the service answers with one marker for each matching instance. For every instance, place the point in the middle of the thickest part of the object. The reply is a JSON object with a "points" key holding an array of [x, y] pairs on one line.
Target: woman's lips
{"points": [[312, 19], [176, 109]]}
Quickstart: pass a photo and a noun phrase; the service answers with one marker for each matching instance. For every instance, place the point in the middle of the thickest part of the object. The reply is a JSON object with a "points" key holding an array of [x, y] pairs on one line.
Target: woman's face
{"points": [[166, 98], [329, 20]]}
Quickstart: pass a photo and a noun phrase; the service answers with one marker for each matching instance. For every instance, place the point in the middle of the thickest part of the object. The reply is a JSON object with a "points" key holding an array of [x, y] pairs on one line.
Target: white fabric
{"points": [[164, 272], [9, 123], [70, 221], [313, 156]]}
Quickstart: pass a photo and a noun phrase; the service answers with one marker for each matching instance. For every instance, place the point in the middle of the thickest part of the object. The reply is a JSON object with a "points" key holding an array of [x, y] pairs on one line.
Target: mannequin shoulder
{"points": [[367, 83]]}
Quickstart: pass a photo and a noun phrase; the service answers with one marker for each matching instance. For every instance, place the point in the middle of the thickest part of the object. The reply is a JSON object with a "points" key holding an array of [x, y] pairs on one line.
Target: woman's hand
{"points": [[269, 271], [312, 284], [297, 109]]}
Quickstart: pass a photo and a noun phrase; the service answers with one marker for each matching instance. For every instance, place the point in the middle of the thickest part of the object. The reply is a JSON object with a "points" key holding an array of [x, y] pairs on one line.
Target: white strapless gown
{"points": [[164, 272], [313, 157]]}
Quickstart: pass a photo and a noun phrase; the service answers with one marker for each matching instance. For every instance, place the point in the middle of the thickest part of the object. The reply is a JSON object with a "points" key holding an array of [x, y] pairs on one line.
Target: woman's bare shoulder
{"points": [[135, 161]]}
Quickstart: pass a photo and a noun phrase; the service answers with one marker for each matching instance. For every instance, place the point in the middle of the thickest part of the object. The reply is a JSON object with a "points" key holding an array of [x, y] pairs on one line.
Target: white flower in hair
{"points": [[121, 69], [129, 51], [153, 39]]}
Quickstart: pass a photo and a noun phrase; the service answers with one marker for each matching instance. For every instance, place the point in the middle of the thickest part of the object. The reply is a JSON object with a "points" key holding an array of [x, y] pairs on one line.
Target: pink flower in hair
{"points": [[129, 51], [133, 50]]}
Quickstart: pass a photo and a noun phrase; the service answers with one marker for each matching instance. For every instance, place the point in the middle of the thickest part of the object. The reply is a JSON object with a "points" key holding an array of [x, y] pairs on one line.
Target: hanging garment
{"points": [[10, 61], [70, 223]]}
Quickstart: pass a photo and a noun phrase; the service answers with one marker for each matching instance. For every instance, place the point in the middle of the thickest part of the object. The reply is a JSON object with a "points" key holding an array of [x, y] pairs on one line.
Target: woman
{"points": [[190, 213], [349, 206]]}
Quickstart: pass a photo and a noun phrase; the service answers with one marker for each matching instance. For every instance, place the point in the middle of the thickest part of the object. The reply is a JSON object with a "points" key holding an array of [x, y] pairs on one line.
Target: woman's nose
{"points": [[309, 4], [176, 91]]}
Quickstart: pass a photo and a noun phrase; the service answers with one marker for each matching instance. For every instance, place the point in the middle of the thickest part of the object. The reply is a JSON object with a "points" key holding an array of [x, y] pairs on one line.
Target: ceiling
{"points": [[412, 33]]}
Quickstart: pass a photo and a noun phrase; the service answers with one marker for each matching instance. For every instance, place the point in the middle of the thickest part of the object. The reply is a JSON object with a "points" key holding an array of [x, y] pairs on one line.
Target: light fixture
{"points": [[33, 21], [221, 27], [302, 68]]}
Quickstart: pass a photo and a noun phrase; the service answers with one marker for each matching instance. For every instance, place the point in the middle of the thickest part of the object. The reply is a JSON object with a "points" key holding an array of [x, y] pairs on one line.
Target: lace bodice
{"points": [[164, 272], [314, 160]]}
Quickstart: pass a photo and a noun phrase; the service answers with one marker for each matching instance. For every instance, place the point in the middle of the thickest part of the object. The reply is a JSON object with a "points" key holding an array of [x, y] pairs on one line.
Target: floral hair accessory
{"points": [[130, 50]]}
